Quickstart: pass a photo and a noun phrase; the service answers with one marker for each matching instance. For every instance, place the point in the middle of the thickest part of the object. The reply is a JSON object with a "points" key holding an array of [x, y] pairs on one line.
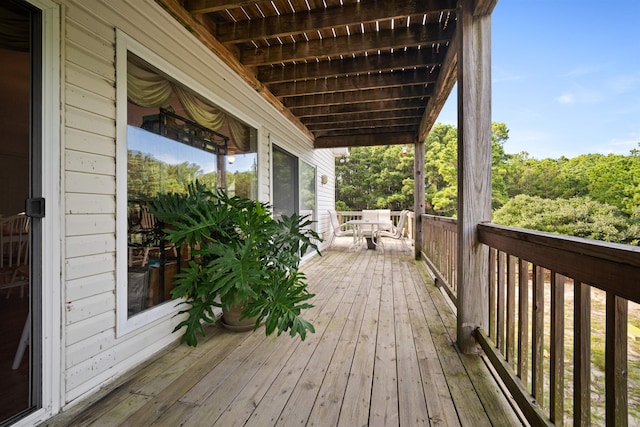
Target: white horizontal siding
{"points": [[78, 246], [90, 224], [91, 122], [77, 332], [89, 286], [76, 203], [94, 354], [80, 140], [77, 182], [89, 307], [89, 265]]}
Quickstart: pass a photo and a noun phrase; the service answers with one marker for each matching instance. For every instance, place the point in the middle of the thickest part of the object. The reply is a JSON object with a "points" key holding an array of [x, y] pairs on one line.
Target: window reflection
{"points": [[174, 137]]}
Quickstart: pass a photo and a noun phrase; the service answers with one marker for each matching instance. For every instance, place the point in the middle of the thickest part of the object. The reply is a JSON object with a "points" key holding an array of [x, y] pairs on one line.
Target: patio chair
{"points": [[339, 230], [14, 253], [148, 233], [398, 231]]}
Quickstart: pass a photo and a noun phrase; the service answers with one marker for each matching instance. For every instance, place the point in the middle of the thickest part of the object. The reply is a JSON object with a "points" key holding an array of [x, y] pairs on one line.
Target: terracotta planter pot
{"points": [[231, 319]]}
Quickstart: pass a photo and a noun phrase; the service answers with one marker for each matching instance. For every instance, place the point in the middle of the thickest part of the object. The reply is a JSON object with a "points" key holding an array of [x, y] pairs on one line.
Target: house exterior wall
{"points": [[94, 350]]}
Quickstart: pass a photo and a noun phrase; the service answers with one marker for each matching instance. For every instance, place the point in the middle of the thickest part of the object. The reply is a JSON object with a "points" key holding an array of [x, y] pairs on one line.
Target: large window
{"points": [[174, 137], [294, 185]]}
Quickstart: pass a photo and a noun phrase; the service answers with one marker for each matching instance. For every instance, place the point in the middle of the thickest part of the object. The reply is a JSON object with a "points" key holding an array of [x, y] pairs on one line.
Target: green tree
{"points": [[578, 216]]}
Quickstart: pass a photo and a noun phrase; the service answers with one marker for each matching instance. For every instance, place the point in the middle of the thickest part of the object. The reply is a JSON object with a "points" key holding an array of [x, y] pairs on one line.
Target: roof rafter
{"points": [[353, 83], [320, 19], [386, 94], [375, 63], [413, 36]]}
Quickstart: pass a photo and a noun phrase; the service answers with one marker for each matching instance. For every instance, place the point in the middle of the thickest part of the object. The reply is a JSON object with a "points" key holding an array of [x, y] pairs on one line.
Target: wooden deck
{"points": [[382, 354]]}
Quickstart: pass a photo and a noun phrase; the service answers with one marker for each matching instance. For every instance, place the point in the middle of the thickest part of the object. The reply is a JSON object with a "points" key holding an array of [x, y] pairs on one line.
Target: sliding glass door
{"points": [[20, 207]]}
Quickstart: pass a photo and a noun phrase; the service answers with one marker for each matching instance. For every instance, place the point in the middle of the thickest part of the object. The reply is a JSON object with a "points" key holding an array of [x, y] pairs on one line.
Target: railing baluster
{"points": [[492, 295], [556, 352], [523, 321], [581, 354], [500, 295], [511, 310], [537, 332], [616, 361]]}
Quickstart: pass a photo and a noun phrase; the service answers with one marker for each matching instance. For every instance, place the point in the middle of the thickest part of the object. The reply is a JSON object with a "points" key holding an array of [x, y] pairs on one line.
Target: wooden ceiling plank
{"points": [[374, 138], [380, 123], [353, 83], [199, 7], [385, 94], [349, 118], [176, 10], [417, 35], [374, 63], [321, 19], [362, 107], [443, 87], [365, 131]]}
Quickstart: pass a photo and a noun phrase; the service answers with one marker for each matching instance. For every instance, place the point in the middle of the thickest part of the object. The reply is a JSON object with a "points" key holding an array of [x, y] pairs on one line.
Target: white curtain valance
{"points": [[148, 89]]}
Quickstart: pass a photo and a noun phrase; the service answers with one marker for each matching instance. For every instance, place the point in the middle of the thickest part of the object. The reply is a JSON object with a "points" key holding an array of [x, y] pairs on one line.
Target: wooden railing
{"points": [[344, 216], [440, 251], [561, 310]]}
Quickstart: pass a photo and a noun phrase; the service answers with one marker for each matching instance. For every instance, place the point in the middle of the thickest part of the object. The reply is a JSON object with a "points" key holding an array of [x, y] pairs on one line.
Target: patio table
{"points": [[358, 226]]}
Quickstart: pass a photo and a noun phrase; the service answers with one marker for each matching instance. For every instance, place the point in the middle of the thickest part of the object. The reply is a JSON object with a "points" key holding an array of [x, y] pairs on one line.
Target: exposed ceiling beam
{"points": [[364, 131], [176, 10], [375, 63], [374, 138], [320, 19], [442, 89], [413, 36], [355, 118], [380, 123], [353, 83], [359, 108], [354, 97], [198, 7]]}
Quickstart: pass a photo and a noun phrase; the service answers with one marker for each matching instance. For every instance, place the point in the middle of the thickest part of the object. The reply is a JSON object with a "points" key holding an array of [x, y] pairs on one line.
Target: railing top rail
{"points": [[440, 218], [611, 267]]}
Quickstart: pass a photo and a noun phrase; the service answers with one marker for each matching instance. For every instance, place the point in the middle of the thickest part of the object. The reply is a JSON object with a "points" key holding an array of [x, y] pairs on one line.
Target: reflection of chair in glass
{"points": [[338, 229], [14, 253], [397, 232], [145, 236]]}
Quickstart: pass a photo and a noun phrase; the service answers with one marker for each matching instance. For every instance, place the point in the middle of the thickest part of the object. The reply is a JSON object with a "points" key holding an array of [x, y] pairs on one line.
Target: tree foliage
{"points": [[591, 195]]}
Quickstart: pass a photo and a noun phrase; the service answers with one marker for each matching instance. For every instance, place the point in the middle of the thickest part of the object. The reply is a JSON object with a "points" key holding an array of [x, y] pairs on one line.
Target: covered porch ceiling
{"points": [[346, 72]]}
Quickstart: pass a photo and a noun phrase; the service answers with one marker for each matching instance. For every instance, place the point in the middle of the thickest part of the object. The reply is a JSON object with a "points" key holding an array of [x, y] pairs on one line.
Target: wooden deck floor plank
{"points": [[384, 395], [496, 405], [218, 401], [440, 406], [244, 404], [384, 345], [356, 404], [250, 389], [218, 350], [270, 407], [320, 404], [411, 395], [467, 403]]}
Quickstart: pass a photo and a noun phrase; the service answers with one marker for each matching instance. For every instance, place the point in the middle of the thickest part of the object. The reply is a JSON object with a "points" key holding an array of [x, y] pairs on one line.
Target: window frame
{"points": [[124, 45]]}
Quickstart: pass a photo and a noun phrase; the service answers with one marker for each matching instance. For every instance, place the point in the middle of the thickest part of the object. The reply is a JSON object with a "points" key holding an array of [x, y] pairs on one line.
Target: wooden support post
{"points": [[418, 195], [474, 170]]}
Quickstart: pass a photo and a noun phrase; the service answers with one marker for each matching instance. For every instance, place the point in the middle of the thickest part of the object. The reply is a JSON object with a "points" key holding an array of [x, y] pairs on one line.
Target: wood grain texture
{"points": [[474, 171], [383, 334]]}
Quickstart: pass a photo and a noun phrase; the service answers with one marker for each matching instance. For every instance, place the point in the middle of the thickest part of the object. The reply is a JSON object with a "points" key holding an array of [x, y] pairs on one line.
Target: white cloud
{"points": [[566, 98]]}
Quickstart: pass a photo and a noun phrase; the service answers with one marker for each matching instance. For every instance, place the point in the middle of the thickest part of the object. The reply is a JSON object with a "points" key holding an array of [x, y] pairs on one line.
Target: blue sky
{"points": [[565, 76]]}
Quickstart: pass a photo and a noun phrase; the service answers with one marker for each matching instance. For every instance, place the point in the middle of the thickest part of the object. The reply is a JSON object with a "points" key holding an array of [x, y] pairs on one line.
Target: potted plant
{"points": [[240, 257]]}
